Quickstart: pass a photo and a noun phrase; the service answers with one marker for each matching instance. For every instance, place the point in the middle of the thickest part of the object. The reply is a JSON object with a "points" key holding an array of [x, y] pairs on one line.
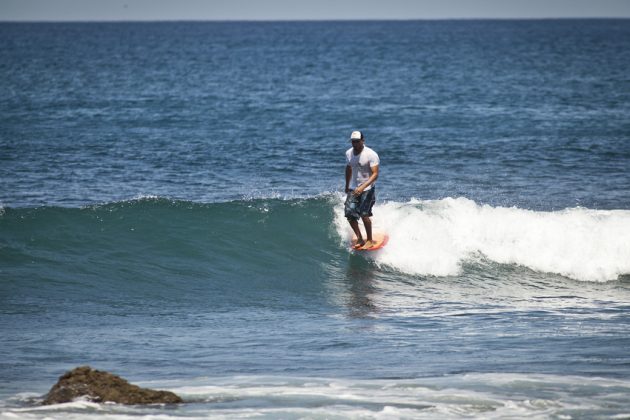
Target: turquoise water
{"points": [[170, 212]]}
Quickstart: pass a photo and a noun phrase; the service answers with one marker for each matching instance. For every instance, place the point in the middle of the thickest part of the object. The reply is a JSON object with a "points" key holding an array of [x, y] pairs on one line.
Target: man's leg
{"points": [[367, 222], [354, 224], [367, 201]]}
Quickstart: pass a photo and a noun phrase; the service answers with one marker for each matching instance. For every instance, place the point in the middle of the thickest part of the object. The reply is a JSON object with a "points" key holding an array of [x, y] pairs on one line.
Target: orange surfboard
{"points": [[379, 239]]}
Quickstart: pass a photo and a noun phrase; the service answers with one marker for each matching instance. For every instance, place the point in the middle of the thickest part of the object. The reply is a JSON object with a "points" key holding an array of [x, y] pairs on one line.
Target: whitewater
{"points": [[434, 237]]}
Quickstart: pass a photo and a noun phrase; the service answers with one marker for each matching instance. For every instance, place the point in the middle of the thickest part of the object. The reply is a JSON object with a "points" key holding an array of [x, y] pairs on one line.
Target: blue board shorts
{"points": [[359, 206]]}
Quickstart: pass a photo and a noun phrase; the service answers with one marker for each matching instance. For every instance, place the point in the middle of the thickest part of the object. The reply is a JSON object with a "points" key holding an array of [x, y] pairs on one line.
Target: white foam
{"points": [[435, 237], [79, 403], [487, 395]]}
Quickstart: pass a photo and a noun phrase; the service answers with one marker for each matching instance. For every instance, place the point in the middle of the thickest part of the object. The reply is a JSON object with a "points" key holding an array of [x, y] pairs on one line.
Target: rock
{"points": [[99, 386]]}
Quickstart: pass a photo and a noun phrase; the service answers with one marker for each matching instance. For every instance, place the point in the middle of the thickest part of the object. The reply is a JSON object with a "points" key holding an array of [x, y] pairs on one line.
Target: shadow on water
{"points": [[360, 278]]}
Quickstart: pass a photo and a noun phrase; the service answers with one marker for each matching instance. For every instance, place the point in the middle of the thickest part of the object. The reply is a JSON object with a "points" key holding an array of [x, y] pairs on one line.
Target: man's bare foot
{"points": [[358, 244], [368, 245]]}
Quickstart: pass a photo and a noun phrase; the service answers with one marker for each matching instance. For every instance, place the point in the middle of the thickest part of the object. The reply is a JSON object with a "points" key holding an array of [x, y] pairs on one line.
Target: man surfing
{"points": [[361, 174]]}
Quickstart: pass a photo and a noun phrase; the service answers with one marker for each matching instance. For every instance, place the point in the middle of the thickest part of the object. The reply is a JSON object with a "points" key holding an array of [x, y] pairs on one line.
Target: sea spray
{"points": [[435, 237]]}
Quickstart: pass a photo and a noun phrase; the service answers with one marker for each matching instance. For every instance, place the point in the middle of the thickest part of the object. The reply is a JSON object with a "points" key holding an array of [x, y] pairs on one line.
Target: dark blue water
{"points": [[528, 113], [170, 212]]}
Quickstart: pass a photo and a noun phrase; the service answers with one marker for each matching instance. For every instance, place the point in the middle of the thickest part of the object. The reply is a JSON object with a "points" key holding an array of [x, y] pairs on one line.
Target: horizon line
{"points": [[235, 20]]}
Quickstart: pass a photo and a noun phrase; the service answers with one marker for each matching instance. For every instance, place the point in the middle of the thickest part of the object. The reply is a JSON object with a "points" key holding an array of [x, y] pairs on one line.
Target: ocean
{"points": [[171, 211]]}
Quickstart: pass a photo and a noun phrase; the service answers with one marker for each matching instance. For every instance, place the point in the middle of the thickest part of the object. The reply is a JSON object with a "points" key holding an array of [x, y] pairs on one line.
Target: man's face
{"points": [[357, 145]]}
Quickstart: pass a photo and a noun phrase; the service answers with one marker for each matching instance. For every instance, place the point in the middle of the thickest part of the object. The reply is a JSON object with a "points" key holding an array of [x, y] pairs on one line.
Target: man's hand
{"points": [[358, 191]]}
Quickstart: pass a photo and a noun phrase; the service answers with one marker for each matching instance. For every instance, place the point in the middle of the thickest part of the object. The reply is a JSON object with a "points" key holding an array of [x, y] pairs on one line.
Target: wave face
{"points": [[436, 237], [174, 244]]}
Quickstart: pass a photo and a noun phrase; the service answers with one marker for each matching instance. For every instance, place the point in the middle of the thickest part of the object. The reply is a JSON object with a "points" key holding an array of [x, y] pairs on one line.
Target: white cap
{"points": [[356, 135]]}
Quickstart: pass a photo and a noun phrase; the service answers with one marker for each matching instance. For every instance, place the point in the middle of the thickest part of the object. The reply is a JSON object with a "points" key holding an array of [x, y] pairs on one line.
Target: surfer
{"points": [[361, 174]]}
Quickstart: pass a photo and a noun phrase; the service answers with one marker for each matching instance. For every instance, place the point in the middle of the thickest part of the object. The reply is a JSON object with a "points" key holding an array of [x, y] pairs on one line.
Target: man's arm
{"points": [[371, 180]]}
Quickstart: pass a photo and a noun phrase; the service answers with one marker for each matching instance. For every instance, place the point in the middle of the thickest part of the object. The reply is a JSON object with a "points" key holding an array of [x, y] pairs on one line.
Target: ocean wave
{"points": [[427, 238], [161, 238], [435, 237]]}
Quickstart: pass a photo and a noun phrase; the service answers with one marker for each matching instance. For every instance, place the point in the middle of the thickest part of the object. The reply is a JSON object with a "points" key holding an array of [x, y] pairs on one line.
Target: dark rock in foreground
{"points": [[101, 386]]}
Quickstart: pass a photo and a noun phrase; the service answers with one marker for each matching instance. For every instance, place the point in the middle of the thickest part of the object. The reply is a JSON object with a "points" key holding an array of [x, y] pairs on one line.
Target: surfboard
{"points": [[380, 239]]}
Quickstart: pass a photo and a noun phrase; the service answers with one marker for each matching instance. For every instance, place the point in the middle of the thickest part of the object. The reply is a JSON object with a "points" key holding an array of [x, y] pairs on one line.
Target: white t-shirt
{"points": [[361, 165]]}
